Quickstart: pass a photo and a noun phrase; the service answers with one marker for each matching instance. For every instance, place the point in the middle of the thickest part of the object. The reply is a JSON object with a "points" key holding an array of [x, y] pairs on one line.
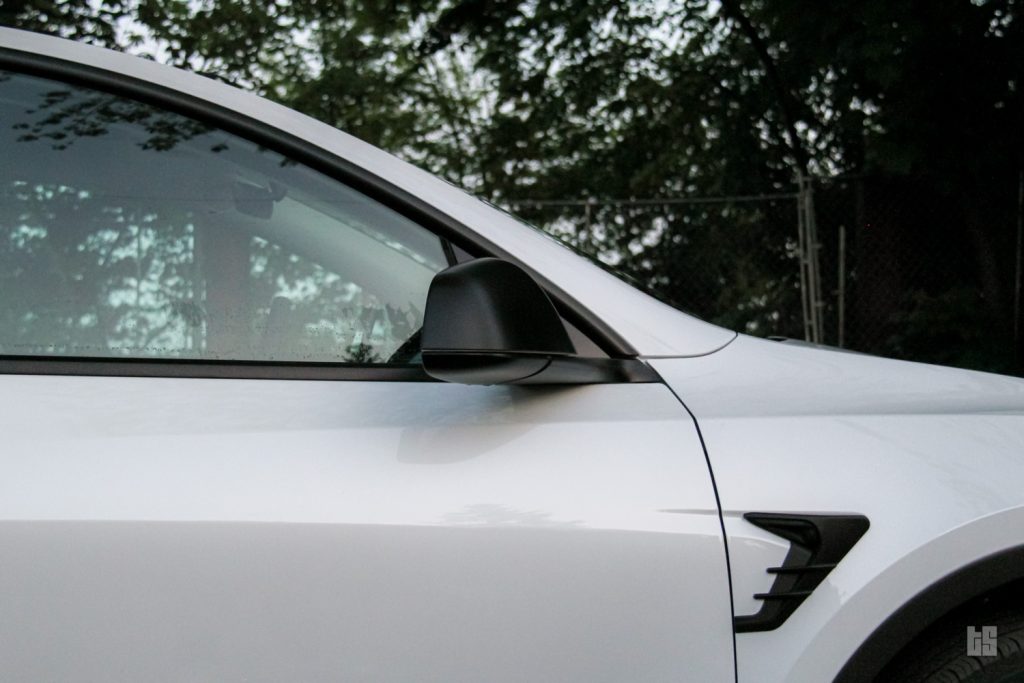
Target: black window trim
{"points": [[309, 154], [208, 369]]}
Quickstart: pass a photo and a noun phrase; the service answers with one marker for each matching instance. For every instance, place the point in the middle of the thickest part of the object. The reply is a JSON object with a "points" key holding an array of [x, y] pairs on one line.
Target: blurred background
{"points": [[845, 173]]}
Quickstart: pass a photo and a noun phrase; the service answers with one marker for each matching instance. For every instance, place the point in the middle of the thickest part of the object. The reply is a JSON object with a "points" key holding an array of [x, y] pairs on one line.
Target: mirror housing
{"points": [[488, 322]]}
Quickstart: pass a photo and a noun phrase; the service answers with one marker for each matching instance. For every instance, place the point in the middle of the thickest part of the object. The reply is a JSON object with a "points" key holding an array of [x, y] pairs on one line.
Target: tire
{"points": [[940, 655]]}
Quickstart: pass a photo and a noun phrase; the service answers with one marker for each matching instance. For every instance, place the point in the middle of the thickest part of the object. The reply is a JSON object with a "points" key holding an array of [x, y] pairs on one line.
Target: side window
{"points": [[127, 231]]}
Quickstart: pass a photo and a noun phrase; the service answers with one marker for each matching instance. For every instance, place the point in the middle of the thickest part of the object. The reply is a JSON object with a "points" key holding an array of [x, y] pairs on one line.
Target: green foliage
{"points": [[953, 328], [91, 21]]}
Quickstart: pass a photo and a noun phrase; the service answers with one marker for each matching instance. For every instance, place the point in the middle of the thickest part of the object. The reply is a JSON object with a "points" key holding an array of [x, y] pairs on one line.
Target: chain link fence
{"points": [[906, 275], [731, 260], [859, 263]]}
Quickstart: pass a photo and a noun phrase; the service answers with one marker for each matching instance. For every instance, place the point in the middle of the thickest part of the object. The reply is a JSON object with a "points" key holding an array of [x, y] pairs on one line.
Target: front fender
{"points": [[913, 593], [933, 457]]}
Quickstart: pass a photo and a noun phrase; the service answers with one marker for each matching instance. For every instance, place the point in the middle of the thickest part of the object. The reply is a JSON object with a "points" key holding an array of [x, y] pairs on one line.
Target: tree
{"points": [[84, 20]]}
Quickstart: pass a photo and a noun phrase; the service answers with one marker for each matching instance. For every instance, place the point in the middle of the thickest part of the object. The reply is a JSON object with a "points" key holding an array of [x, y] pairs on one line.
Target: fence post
{"points": [[1017, 274], [841, 336], [802, 250], [813, 246], [810, 276]]}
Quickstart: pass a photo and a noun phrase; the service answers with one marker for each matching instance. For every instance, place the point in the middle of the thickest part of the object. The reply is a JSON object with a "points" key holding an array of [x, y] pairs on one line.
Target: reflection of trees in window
{"points": [[80, 276], [67, 113], [314, 314], [112, 248]]}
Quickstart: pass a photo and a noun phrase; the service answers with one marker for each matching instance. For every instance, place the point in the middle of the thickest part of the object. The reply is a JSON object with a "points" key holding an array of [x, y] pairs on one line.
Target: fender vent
{"points": [[817, 544]]}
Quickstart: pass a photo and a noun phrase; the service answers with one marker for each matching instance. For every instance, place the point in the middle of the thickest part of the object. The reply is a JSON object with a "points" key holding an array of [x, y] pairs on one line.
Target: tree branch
{"points": [[783, 95]]}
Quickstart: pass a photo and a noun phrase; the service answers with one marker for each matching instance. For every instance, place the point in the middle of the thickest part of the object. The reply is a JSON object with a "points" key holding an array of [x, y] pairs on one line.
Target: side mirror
{"points": [[488, 322]]}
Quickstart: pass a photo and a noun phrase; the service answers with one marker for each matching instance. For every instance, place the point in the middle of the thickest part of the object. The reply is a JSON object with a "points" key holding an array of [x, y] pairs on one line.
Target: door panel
{"points": [[261, 530]]}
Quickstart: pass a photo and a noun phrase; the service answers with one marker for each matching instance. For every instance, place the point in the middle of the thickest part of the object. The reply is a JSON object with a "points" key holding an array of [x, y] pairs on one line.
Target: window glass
{"points": [[129, 231]]}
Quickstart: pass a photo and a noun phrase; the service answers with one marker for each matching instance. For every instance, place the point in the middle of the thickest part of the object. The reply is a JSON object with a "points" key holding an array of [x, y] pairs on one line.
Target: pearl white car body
{"points": [[222, 528]]}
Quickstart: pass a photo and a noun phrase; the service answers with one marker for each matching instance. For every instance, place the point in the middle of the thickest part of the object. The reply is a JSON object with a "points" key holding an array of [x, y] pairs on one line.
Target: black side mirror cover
{"points": [[488, 322]]}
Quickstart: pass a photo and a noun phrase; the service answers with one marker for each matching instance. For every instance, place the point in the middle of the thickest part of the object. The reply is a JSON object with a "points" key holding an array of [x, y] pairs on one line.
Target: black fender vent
{"points": [[817, 544]]}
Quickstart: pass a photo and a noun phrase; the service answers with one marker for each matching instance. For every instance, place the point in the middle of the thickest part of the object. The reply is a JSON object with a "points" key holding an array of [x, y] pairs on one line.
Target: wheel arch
{"points": [[929, 606]]}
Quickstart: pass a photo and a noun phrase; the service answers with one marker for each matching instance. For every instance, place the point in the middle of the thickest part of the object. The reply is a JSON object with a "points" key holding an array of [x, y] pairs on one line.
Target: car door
{"points": [[221, 459]]}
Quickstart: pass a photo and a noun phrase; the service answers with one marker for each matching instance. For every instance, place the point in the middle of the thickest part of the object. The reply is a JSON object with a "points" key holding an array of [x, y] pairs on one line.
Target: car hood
{"points": [[758, 377]]}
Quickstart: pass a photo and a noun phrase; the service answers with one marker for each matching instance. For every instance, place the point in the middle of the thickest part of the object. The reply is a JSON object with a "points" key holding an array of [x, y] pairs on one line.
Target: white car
{"points": [[278, 406]]}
